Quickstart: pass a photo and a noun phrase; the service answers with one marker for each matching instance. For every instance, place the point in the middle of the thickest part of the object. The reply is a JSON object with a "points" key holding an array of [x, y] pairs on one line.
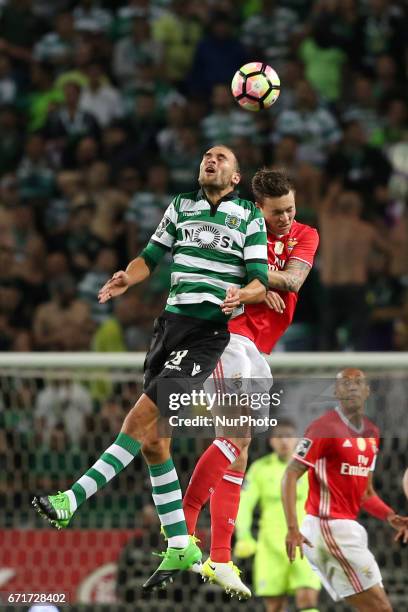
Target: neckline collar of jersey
{"points": [[349, 423], [231, 195]]}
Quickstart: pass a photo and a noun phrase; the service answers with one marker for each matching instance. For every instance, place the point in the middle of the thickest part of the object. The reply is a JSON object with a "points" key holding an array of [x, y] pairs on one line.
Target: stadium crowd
{"points": [[105, 110]]}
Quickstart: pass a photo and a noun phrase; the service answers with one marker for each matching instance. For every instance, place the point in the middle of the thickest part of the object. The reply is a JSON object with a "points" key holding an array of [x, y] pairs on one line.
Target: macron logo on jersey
{"points": [[347, 444]]}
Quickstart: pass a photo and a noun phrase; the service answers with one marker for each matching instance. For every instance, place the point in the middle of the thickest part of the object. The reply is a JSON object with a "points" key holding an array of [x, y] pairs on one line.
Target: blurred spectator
{"points": [[89, 17], [133, 51], [11, 139], [81, 243], [43, 96], [384, 31], [109, 203], [99, 98], [386, 76], [105, 265], [307, 178], [52, 465], [8, 84], [346, 243], [128, 329], [218, 55], [363, 106], [394, 127], [143, 126], [226, 121], [185, 160], [35, 175], [178, 32], [168, 136], [69, 123], [314, 126], [18, 29], [359, 166], [69, 185], [57, 47], [63, 323], [400, 331], [146, 209], [384, 298], [61, 407], [268, 34]]}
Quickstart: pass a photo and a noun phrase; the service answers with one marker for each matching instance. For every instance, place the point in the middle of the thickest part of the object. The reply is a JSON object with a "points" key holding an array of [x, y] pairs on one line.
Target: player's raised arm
{"points": [[294, 538], [140, 268], [298, 266]]}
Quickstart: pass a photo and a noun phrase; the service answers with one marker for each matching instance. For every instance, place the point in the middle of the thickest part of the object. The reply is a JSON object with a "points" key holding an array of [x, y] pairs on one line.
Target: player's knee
{"points": [[241, 461], [242, 444], [306, 599]]}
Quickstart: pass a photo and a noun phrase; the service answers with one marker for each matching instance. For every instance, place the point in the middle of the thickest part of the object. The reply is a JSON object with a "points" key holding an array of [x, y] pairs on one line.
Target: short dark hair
{"points": [[269, 183]]}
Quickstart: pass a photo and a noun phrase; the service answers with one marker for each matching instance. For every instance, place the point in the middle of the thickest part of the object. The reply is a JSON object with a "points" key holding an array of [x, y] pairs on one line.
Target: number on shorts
{"points": [[176, 360]]}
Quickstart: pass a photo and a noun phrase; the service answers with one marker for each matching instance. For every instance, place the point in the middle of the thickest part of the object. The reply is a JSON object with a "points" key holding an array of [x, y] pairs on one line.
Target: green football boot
{"points": [[54, 508], [174, 561]]}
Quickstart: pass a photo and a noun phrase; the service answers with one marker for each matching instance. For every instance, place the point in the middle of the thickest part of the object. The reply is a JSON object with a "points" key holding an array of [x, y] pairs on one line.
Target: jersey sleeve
{"points": [[306, 248], [255, 248], [310, 448], [162, 239], [250, 494]]}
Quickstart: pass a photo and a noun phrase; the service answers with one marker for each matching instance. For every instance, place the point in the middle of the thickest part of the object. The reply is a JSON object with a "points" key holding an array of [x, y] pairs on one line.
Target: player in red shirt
{"points": [[291, 250], [339, 452]]}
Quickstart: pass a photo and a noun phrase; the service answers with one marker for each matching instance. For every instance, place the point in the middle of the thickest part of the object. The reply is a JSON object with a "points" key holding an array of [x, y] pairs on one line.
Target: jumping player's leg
{"points": [[140, 422], [374, 598], [224, 505]]}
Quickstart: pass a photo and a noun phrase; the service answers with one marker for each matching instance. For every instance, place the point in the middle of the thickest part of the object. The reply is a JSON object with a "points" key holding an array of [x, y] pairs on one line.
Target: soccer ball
{"points": [[255, 86]]}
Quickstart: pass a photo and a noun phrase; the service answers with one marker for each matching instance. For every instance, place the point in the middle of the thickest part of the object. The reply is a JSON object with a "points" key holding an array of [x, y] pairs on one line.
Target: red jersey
{"points": [[258, 322], [339, 464]]}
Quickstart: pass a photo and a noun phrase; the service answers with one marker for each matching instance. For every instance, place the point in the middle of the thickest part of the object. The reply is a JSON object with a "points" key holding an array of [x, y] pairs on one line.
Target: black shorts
{"points": [[183, 353]]}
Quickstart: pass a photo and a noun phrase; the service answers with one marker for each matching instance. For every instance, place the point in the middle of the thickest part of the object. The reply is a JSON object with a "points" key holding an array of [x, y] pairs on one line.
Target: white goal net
{"points": [[58, 412]]}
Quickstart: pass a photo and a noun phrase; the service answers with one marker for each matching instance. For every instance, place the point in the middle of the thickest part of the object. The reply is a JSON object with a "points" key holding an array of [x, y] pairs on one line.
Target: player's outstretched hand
{"points": [[402, 535], [275, 302], [115, 286], [295, 539], [232, 300], [398, 522]]}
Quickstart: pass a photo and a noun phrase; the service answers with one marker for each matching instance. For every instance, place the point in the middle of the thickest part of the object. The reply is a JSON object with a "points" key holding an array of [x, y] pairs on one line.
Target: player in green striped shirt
{"points": [[218, 243], [274, 577]]}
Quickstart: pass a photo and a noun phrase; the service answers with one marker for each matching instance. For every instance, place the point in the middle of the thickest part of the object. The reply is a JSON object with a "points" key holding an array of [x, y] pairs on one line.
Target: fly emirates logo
{"points": [[362, 469], [278, 264]]}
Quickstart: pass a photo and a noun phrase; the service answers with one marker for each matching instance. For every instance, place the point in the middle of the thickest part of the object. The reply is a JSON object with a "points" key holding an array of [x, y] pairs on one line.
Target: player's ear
{"points": [[236, 178], [258, 205]]}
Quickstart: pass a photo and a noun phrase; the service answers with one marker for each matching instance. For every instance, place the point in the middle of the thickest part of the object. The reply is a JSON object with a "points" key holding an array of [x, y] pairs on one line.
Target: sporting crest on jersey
{"points": [[291, 243], [233, 221], [161, 228], [303, 447]]}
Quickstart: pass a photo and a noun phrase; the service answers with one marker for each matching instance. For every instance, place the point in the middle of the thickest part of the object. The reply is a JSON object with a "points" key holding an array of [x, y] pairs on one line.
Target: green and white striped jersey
{"points": [[213, 248]]}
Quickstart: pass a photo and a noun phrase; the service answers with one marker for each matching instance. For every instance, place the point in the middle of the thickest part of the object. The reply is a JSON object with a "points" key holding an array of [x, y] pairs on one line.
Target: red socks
{"points": [[207, 474], [224, 506]]}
